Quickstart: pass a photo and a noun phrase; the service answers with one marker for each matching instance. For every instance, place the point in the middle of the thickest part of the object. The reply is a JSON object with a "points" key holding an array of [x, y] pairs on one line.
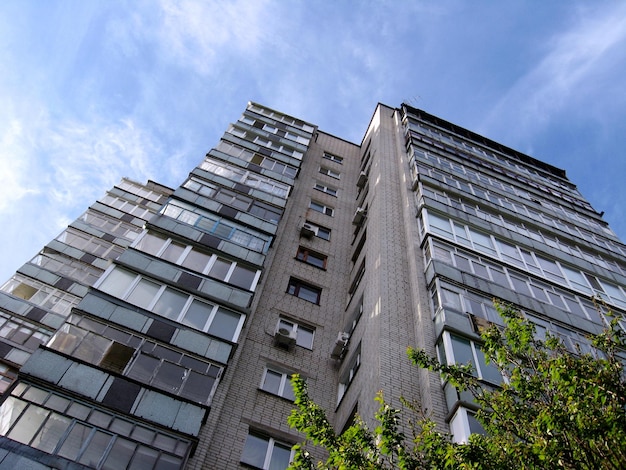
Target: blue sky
{"points": [[91, 91]]}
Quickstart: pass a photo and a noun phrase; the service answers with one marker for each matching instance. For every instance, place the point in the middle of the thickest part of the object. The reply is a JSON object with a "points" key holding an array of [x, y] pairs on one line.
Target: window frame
{"points": [[304, 254], [271, 443], [296, 286], [321, 208], [295, 327], [333, 158], [329, 172], [285, 390]]}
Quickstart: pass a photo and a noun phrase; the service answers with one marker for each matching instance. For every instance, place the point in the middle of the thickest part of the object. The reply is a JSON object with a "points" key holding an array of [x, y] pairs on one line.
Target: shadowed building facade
{"points": [[160, 329]]}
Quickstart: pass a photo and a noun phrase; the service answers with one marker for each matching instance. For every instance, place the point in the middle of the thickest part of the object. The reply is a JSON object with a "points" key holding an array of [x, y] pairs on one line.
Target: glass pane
{"points": [[280, 457], [76, 439], [165, 443], [462, 351], [169, 377], [144, 435], [198, 387], [173, 252], [150, 243], [117, 282], [197, 314], [50, 434], [92, 348], [254, 451], [168, 462], [304, 337], [219, 270], [9, 412], [196, 261], [489, 372], [271, 382], [308, 293], [120, 455], [242, 277], [95, 449], [144, 458], [225, 324], [143, 368], [170, 304], [143, 293]]}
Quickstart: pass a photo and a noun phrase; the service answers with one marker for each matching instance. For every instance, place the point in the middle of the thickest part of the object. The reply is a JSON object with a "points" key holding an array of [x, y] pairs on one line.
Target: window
{"points": [[329, 172], [333, 158], [265, 452], [173, 304], [325, 189], [193, 259], [277, 383], [349, 373], [304, 334], [464, 423], [86, 434], [319, 207], [304, 291], [319, 231], [311, 257], [459, 350]]}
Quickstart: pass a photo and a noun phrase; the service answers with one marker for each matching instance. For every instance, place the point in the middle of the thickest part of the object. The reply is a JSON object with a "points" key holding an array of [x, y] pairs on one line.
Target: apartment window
{"points": [[333, 158], [277, 383], [311, 257], [264, 452], [325, 189], [459, 350], [173, 304], [205, 263], [319, 231], [349, 373], [329, 172], [319, 207], [304, 334], [304, 291], [464, 423], [86, 434]]}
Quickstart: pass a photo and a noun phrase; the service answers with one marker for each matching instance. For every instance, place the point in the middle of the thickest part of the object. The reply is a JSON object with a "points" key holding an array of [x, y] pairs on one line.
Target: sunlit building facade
{"points": [[160, 329]]}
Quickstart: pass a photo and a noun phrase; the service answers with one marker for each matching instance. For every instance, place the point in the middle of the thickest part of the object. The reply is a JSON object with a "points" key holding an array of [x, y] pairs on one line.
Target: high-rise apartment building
{"points": [[159, 331]]}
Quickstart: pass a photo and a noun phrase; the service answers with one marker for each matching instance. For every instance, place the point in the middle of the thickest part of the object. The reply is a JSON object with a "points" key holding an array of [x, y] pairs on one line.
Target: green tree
{"points": [[554, 410]]}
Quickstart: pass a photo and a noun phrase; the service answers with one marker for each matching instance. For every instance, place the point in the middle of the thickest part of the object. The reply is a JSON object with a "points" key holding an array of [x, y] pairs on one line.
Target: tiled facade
{"points": [[161, 328]]}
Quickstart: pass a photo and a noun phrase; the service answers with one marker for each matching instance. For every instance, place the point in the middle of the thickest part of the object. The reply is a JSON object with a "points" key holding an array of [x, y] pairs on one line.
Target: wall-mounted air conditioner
{"points": [[284, 337], [340, 346], [307, 230], [362, 179], [359, 216]]}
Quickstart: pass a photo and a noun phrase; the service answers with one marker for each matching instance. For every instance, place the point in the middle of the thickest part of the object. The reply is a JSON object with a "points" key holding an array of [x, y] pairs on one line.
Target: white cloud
{"points": [[568, 71]]}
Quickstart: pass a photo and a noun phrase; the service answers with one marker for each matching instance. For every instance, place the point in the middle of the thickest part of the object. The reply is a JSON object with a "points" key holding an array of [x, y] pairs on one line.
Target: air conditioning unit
{"points": [[359, 216], [362, 179], [284, 337], [307, 230], [340, 346]]}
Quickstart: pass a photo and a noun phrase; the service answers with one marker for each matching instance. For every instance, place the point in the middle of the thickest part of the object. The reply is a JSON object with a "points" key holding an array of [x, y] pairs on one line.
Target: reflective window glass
{"points": [[225, 324], [170, 304], [143, 293]]}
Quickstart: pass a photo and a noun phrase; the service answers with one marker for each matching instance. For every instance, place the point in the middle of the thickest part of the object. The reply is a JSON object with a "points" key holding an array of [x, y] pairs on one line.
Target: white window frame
{"points": [[321, 208], [333, 158], [325, 189], [271, 443], [328, 172], [284, 389], [294, 327]]}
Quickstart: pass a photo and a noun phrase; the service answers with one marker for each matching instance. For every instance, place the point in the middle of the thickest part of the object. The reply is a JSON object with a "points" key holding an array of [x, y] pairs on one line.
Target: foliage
{"points": [[555, 409]]}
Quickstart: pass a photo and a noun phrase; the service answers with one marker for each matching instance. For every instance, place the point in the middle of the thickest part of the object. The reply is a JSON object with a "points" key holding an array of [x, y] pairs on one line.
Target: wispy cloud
{"points": [[568, 70]]}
